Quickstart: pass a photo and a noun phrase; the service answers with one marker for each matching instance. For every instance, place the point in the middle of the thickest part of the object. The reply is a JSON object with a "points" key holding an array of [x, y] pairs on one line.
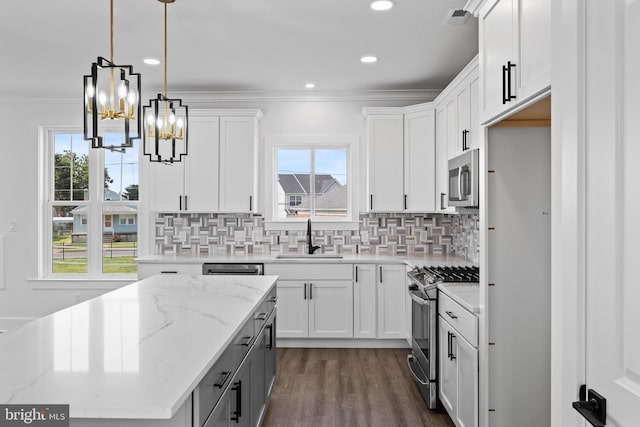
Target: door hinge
{"points": [[592, 406]]}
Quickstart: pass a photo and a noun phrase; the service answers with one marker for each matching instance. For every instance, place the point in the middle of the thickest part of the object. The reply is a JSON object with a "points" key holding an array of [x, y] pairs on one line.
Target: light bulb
{"points": [[179, 123], [122, 91], [132, 98], [91, 91], [172, 118], [102, 98], [150, 120], [159, 123]]}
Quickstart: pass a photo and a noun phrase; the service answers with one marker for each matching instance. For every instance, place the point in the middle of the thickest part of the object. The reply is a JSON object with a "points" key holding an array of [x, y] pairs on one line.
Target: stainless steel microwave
{"points": [[463, 179]]}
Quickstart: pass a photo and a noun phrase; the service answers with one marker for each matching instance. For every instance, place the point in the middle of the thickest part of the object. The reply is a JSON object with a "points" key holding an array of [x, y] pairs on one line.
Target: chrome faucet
{"points": [[312, 248]]}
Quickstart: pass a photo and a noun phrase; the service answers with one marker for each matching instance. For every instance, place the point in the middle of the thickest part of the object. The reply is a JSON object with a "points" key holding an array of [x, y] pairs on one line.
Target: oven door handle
{"points": [[409, 360], [419, 300]]}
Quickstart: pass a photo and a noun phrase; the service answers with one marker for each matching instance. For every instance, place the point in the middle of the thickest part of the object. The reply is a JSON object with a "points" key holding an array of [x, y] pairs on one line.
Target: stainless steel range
{"points": [[422, 360]]}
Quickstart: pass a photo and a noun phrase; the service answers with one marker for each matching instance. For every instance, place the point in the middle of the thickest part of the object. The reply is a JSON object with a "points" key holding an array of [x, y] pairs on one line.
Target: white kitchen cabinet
{"points": [[314, 300], [442, 142], [458, 355], [238, 164], [392, 291], [385, 136], [189, 185], [219, 174], [463, 124], [515, 53], [364, 301], [419, 161]]}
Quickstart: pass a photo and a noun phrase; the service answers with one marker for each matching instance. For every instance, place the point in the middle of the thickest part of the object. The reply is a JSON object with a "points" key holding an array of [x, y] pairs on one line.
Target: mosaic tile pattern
{"points": [[242, 234]]}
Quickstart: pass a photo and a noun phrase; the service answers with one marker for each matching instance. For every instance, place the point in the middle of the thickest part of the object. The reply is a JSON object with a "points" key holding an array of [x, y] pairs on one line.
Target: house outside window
{"points": [[86, 190], [312, 182]]}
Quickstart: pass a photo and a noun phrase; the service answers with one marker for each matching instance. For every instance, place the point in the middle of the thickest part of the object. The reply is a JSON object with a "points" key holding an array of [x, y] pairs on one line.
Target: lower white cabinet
{"points": [[364, 301], [314, 300], [458, 368], [392, 295]]}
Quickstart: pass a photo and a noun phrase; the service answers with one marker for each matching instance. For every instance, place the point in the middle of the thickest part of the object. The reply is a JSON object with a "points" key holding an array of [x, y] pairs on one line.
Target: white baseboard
{"points": [[340, 343], [9, 323]]}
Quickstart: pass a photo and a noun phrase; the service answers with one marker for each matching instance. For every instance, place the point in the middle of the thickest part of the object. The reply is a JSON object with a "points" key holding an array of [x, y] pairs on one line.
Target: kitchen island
{"points": [[136, 355]]}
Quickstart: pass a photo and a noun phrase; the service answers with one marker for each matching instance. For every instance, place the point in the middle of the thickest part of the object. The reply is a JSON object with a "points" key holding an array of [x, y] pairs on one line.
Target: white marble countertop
{"points": [[136, 352], [465, 294], [411, 260]]}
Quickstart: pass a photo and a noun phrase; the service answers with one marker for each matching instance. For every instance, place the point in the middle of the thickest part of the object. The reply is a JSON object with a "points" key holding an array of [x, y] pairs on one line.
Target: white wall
{"points": [[19, 121]]}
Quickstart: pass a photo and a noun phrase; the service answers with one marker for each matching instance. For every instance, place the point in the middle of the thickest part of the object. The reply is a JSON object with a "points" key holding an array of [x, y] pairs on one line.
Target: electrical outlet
{"points": [[13, 226]]}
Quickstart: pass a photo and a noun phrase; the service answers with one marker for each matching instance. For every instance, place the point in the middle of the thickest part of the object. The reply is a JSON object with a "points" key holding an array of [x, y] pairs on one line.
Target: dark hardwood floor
{"points": [[347, 387]]}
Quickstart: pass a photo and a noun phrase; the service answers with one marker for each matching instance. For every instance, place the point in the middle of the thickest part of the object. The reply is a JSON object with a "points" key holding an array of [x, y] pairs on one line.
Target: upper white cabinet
{"points": [[238, 163], [442, 181], [385, 135], [191, 184], [419, 161], [218, 174], [402, 155], [515, 53]]}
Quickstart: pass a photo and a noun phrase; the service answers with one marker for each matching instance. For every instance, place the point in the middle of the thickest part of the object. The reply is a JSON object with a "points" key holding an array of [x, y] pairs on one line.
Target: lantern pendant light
{"points": [[111, 101], [166, 128]]}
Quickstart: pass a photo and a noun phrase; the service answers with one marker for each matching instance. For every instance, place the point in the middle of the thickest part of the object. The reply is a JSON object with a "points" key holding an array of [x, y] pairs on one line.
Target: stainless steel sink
{"points": [[308, 256]]}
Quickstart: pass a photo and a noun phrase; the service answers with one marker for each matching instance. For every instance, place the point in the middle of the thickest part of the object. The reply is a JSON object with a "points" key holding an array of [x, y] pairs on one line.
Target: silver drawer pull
{"points": [[451, 315], [223, 379], [261, 316]]}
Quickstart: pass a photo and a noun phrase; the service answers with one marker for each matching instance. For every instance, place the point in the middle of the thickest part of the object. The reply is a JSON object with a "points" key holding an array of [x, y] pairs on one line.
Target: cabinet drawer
{"points": [[243, 341], [260, 315], [318, 271], [465, 322], [214, 383], [146, 270]]}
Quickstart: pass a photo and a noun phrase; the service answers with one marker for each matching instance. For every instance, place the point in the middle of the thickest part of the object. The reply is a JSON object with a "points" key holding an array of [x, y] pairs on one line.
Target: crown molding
{"points": [[474, 6], [200, 99]]}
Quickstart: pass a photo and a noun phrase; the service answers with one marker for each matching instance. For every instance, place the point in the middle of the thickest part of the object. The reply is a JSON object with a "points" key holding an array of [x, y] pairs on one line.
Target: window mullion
{"points": [[94, 238], [312, 183]]}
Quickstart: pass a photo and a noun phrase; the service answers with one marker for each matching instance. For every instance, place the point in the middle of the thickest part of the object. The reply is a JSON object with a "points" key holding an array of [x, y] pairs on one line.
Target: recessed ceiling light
{"points": [[310, 85], [382, 5], [369, 59], [151, 61]]}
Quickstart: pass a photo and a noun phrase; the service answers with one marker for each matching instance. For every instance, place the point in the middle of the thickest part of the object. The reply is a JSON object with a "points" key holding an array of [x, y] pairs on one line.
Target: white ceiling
{"points": [[46, 46]]}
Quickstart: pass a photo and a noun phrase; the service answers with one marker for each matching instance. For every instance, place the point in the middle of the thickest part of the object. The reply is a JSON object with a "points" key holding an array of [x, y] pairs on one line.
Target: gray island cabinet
{"points": [[179, 351]]}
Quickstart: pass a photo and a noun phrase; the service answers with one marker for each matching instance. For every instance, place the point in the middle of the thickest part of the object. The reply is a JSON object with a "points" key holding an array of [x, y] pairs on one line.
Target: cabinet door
{"points": [[201, 173], [392, 291], [443, 161], [364, 301], [467, 386], [270, 355], [293, 309], [220, 415], [474, 137], [496, 49], [447, 374], [385, 137], [464, 116], [240, 408], [453, 136], [238, 164], [258, 390], [166, 186], [534, 46], [420, 161], [330, 309]]}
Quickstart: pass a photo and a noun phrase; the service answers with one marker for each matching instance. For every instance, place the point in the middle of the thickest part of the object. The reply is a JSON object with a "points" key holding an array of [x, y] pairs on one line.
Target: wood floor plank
{"points": [[340, 387]]}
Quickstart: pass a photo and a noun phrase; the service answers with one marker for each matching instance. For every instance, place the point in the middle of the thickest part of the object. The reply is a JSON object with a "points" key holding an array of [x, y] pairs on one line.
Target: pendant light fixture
{"points": [[166, 129], [111, 101]]}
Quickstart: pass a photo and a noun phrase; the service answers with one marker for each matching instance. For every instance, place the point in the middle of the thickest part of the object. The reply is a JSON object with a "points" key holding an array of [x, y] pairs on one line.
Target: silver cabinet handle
{"points": [[409, 360]]}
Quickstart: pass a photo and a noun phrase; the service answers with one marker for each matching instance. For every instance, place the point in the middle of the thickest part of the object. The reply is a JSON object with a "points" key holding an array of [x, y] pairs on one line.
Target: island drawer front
{"points": [[272, 299], [214, 383], [260, 315], [242, 342], [316, 271], [465, 322]]}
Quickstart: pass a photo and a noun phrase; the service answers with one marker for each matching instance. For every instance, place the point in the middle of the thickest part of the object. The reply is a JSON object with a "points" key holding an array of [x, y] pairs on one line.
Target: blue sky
{"points": [[327, 161]]}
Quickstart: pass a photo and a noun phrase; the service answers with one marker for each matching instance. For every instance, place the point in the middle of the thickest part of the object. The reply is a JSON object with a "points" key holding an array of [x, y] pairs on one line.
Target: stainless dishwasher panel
{"points": [[228, 268]]}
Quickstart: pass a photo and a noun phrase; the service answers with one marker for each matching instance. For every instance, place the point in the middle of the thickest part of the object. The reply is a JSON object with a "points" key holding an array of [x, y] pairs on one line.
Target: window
{"points": [[86, 191], [312, 182]]}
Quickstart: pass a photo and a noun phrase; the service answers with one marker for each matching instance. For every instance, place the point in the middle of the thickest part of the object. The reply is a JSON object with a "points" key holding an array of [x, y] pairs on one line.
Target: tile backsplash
{"points": [[378, 233]]}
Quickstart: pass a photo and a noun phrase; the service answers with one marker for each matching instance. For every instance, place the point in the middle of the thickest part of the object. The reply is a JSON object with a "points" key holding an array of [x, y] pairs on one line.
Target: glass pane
{"points": [[69, 239], [330, 183], [120, 171], [294, 169], [119, 239], [71, 167]]}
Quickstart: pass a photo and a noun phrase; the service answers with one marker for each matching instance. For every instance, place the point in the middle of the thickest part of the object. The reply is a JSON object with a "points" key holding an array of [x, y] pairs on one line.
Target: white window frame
{"points": [[95, 206], [319, 142]]}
